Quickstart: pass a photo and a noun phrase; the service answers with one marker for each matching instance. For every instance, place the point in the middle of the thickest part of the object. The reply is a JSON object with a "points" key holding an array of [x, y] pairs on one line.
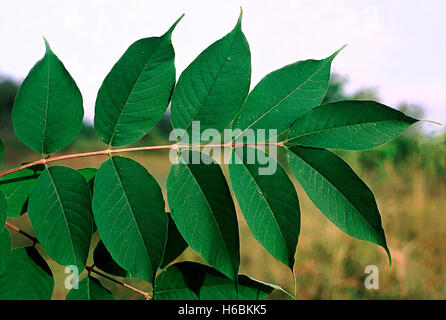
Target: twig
{"points": [[90, 269], [145, 294], [112, 151], [17, 229]]}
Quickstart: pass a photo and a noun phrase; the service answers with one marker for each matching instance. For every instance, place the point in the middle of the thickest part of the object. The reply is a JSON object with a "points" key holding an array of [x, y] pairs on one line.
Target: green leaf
{"points": [[47, 113], [89, 174], [3, 209], [175, 244], [104, 261], [60, 213], [201, 206], [16, 188], [349, 125], [269, 203], [194, 281], [5, 248], [136, 92], [284, 95], [338, 192], [128, 208], [213, 87], [89, 289], [27, 277], [5, 239]]}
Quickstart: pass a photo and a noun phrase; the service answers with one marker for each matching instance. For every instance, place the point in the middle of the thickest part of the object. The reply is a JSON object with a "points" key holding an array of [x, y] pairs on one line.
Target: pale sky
{"points": [[397, 46]]}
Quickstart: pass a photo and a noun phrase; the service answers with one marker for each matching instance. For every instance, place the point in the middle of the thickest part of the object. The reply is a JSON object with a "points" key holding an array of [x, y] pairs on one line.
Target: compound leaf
{"points": [[268, 202], [136, 92], [175, 244], [129, 211], [284, 95], [89, 289], [349, 125], [47, 113], [213, 87], [194, 281], [27, 277], [60, 213], [16, 188], [338, 192], [201, 206], [104, 261]]}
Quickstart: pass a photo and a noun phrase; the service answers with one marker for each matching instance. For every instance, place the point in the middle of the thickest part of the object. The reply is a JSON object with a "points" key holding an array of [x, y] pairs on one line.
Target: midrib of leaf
{"points": [[133, 214], [63, 214], [342, 126], [131, 91], [212, 211], [46, 106], [214, 80], [345, 198], [88, 289], [281, 100], [267, 203]]}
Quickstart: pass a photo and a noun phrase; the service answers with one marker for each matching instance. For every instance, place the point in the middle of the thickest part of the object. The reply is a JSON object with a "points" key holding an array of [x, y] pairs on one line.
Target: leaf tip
{"points": [[337, 51], [169, 32], [431, 121], [47, 45]]}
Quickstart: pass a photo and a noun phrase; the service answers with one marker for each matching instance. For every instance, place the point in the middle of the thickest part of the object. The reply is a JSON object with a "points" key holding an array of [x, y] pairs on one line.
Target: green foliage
{"points": [[16, 187], [194, 281], [269, 204], [284, 95], [201, 206], [89, 289], [175, 244], [137, 237], [60, 213], [48, 112], [104, 261], [128, 208], [135, 94], [212, 89], [27, 277], [338, 192], [349, 125]]}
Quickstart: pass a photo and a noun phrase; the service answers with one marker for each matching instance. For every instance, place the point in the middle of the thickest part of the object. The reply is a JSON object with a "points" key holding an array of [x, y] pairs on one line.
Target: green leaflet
{"points": [[89, 174], [338, 192], [16, 188], [47, 113], [60, 212], [269, 203], [213, 87], [3, 209], [89, 289], [284, 95], [175, 244], [104, 261], [27, 277], [349, 125], [194, 281], [5, 248], [136, 92], [201, 206], [5, 239], [128, 208]]}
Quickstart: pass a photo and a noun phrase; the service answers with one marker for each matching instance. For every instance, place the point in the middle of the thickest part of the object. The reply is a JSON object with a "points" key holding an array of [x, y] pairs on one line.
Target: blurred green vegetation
{"points": [[407, 176]]}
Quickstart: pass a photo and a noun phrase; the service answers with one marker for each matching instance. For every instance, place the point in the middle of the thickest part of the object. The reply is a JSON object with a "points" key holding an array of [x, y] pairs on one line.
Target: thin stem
{"points": [[145, 294], [107, 152], [90, 269], [17, 229]]}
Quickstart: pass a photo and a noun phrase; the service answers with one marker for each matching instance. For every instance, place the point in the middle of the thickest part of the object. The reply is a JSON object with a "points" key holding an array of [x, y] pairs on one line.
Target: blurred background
{"points": [[395, 55]]}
